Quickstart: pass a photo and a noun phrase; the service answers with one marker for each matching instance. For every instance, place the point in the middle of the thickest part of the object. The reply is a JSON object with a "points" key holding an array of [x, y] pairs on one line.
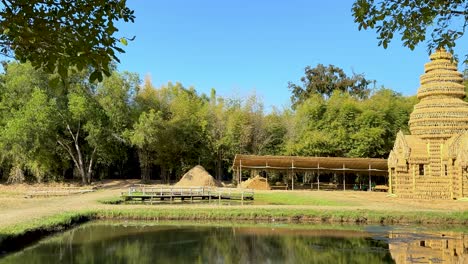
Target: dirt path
{"points": [[15, 208]]}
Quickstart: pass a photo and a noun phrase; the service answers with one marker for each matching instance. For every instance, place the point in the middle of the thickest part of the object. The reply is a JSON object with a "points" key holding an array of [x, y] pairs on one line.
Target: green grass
{"points": [[113, 200], [289, 214], [282, 198], [19, 235], [47, 223]]}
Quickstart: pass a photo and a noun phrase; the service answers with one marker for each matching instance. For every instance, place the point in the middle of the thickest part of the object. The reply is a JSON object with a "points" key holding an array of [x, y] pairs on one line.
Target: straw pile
{"points": [[198, 176], [257, 183]]}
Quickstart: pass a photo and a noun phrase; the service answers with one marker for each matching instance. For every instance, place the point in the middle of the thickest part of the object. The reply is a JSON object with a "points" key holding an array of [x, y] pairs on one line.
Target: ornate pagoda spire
{"points": [[441, 112]]}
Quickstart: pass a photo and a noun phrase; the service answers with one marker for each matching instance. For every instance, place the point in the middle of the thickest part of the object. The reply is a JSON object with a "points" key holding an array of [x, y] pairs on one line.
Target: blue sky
{"points": [[240, 47]]}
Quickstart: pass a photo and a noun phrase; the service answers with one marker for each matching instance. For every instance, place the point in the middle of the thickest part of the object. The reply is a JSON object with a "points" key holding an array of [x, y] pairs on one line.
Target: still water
{"points": [[150, 242]]}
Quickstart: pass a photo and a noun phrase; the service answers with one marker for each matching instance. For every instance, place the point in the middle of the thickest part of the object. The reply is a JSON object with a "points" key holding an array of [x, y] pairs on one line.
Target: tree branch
{"points": [[69, 150], [71, 133], [91, 162], [457, 12]]}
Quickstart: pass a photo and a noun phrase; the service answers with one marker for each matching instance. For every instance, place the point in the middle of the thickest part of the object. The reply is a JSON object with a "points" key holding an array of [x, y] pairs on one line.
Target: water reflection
{"points": [[170, 243], [429, 247]]}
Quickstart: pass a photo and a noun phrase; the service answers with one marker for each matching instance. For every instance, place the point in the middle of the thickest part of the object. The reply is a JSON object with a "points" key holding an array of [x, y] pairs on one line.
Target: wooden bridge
{"points": [[186, 193], [57, 191]]}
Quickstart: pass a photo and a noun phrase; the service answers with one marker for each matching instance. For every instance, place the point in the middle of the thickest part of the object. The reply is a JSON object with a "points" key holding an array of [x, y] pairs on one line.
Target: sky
{"points": [[241, 47]]}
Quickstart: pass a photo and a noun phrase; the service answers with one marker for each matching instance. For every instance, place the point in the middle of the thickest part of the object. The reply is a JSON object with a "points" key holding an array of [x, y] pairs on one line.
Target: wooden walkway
{"points": [[57, 191], [186, 193]]}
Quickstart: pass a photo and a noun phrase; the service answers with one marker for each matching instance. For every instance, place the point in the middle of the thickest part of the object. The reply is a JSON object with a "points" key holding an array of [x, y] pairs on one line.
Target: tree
{"points": [[325, 80], [58, 34], [413, 20], [44, 129], [217, 132], [116, 96], [172, 132], [27, 125], [344, 126], [275, 130], [28, 138], [145, 136]]}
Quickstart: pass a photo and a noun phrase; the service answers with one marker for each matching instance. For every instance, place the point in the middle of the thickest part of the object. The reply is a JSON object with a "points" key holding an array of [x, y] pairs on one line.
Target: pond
{"points": [[184, 242]]}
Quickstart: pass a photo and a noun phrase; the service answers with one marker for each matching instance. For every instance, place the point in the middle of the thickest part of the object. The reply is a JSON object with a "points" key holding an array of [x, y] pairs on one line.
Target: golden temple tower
{"points": [[441, 113], [430, 163]]}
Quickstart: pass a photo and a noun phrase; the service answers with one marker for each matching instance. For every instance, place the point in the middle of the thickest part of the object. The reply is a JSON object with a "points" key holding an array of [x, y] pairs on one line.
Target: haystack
{"points": [[197, 176], [257, 183]]}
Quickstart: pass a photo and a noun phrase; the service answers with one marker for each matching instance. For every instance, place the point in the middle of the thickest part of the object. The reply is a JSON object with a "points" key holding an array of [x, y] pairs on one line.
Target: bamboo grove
{"points": [[53, 129]]}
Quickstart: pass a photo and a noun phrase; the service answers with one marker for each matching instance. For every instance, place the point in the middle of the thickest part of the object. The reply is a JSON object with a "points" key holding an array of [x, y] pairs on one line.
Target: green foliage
{"points": [[325, 80], [145, 137], [28, 117], [57, 35], [414, 20], [113, 200], [50, 130], [176, 135], [347, 127], [43, 128]]}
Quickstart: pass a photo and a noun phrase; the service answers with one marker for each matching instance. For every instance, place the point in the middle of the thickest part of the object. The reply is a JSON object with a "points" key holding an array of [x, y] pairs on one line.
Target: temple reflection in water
{"points": [[448, 247]]}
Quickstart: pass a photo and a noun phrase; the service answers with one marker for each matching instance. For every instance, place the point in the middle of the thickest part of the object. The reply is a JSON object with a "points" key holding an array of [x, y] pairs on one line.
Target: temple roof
{"points": [[418, 147], [457, 148], [441, 113]]}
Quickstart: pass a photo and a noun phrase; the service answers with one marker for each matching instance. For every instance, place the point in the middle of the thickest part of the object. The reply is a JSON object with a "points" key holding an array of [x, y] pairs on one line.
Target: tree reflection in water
{"points": [[117, 243]]}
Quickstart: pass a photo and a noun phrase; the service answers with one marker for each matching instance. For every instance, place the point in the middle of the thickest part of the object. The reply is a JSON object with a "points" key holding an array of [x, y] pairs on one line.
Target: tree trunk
{"points": [[145, 165], [219, 166], [165, 175]]}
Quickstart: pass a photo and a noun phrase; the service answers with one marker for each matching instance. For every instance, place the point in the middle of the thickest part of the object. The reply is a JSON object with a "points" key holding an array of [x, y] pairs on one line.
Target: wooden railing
{"points": [[144, 192]]}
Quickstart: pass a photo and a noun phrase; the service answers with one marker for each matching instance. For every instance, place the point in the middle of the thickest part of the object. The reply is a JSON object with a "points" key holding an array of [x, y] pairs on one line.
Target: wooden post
{"points": [[311, 181], [240, 172], [370, 181], [344, 178], [292, 174], [318, 176]]}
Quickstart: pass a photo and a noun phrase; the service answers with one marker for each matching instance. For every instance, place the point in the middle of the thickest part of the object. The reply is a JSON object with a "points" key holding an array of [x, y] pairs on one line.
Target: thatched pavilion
{"points": [[432, 162], [344, 166]]}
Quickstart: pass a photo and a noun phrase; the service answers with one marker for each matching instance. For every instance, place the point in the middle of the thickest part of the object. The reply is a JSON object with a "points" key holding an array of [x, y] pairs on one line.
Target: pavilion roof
{"points": [[329, 164]]}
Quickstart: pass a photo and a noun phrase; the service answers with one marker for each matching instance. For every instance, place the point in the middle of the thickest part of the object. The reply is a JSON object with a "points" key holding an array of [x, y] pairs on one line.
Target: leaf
{"points": [[95, 76], [123, 41]]}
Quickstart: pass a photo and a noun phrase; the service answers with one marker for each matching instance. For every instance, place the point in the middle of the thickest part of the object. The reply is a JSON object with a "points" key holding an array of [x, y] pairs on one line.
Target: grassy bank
{"points": [[288, 215], [28, 232]]}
